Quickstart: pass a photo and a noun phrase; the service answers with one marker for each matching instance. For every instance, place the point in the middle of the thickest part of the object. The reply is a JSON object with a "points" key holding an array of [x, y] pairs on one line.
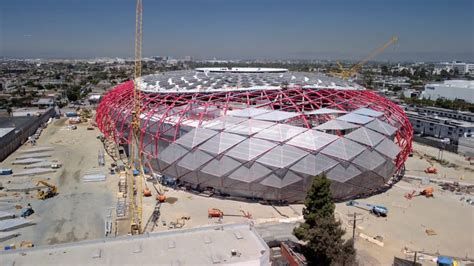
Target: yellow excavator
{"points": [[50, 191]]}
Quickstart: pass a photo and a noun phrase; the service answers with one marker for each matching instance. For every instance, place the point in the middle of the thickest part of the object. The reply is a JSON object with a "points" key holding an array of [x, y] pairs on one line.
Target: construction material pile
{"points": [[456, 187]]}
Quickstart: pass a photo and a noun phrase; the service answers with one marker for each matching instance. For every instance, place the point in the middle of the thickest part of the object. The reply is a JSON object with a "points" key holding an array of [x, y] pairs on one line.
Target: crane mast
{"points": [[136, 180]]}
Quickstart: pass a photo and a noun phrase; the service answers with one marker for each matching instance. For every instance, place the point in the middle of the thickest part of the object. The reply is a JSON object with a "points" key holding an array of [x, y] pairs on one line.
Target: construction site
{"points": [[218, 161]]}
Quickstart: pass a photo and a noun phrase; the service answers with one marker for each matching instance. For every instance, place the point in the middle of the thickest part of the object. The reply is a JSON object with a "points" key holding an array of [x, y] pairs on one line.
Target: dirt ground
{"points": [[79, 210], [458, 169], [407, 222], [182, 203]]}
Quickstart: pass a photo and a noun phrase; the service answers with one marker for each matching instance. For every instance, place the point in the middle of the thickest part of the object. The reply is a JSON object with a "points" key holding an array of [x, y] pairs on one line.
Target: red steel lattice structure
{"points": [[114, 112], [166, 112]]}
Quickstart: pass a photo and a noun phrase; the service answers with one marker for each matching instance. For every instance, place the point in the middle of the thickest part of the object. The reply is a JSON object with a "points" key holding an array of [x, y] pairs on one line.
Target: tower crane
{"points": [[135, 175], [348, 73]]}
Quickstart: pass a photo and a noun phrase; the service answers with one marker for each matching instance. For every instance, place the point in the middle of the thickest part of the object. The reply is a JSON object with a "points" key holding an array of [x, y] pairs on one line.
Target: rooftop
{"points": [[15, 122], [236, 79], [4, 131], [440, 120], [195, 246], [469, 84]]}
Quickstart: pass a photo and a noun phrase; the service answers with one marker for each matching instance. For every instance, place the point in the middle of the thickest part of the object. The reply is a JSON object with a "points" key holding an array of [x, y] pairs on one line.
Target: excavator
{"points": [[50, 192]]}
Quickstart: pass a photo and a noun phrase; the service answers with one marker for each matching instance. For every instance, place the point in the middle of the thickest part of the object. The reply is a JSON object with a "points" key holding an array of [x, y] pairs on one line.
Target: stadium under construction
{"points": [[261, 133]]}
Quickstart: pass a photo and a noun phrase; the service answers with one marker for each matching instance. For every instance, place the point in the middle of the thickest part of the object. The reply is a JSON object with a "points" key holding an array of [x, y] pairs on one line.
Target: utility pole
{"points": [[354, 224], [354, 229]]}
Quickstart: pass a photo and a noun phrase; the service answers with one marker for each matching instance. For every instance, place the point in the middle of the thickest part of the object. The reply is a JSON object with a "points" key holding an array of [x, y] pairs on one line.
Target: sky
{"points": [[428, 30]]}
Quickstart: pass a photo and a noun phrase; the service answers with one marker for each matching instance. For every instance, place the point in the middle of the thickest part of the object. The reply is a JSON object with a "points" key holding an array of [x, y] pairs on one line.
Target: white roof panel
{"points": [[368, 112], [220, 167], [276, 116], [277, 182], [369, 159], [312, 140], [282, 156], [343, 174], [355, 118], [314, 164], [250, 148], [325, 111], [336, 125], [195, 137], [382, 127], [388, 148], [248, 112], [280, 132], [172, 153], [365, 136], [223, 122], [250, 174], [250, 127], [343, 149], [194, 160], [221, 142]]}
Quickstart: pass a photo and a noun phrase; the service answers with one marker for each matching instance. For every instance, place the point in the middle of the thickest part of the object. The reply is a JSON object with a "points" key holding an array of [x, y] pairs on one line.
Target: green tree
{"points": [[321, 232]]}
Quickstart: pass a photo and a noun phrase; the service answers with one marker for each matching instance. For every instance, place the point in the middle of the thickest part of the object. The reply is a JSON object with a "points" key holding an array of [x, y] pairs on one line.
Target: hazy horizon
{"points": [[267, 29]]}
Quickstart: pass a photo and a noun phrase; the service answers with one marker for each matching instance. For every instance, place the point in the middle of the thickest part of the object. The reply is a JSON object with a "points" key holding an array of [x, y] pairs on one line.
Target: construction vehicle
{"points": [[26, 244], [427, 192], [146, 192], [161, 198], [431, 170], [180, 222], [216, 213], [348, 73], [50, 192], [377, 210], [135, 160], [27, 211]]}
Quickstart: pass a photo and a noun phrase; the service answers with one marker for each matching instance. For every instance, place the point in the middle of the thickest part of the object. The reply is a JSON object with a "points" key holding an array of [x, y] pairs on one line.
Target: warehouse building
{"points": [[451, 90], [15, 130], [439, 127], [443, 112], [236, 244]]}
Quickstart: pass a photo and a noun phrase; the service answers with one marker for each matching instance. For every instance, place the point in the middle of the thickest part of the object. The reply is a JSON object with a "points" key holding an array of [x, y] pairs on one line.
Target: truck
{"points": [[377, 210]]}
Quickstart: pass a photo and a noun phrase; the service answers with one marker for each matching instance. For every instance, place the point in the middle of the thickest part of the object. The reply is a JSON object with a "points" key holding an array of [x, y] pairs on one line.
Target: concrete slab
{"points": [[28, 161], [12, 224], [7, 235], [94, 177], [34, 155], [37, 149], [34, 171], [45, 164], [6, 215]]}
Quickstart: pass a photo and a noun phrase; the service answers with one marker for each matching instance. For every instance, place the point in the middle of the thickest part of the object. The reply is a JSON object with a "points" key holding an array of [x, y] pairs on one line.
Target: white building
{"points": [[450, 89], [461, 67]]}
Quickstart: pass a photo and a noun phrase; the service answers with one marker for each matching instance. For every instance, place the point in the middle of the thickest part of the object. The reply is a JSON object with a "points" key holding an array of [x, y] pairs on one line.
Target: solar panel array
{"points": [[193, 81]]}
